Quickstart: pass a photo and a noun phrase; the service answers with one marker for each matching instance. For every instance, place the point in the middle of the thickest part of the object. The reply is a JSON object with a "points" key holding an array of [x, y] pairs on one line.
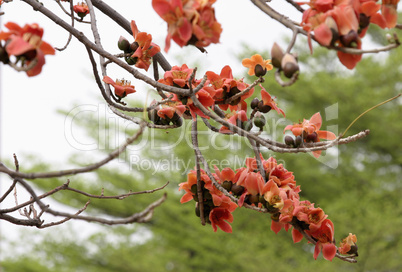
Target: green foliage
{"points": [[360, 193]]}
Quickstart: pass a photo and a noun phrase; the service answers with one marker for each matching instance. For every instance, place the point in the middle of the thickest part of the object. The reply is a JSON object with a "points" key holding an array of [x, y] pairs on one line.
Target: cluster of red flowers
{"points": [[344, 22], [309, 132], [278, 193], [26, 44], [189, 21], [217, 90]]}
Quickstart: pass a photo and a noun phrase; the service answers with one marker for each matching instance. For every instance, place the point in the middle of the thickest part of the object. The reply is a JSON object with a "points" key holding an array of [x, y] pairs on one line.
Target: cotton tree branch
{"points": [[89, 168], [200, 185], [350, 258], [125, 24], [83, 39], [272, 145], [294, 26]]}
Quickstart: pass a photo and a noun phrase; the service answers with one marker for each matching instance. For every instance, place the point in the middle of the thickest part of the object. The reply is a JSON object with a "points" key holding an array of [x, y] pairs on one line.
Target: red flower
{"points": [[179, 27], [168, 110], [177, 76], [347, 245], [81, 9], [218, 218], [389, 11], [146, 48], [325, 237], [205, 27], [226, 86], [236, 119], [26, 43], [310, 132], [121, 87], [189, 22], [269, 101]]}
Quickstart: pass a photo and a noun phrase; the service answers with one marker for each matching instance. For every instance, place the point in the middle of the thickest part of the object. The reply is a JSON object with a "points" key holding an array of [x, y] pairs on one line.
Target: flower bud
{"points": [[289, 140], [312, 137], [259, 120], [364, 21], [254, 103], [353, 249], [298, 141], [276, 55], [227, 185], [123, 44], [237, 189], [350, 38], [253, 199], [259, 70], [289, 65], [247, 125], [131, 61], [178, 122], [134, 46], [263, 108]]}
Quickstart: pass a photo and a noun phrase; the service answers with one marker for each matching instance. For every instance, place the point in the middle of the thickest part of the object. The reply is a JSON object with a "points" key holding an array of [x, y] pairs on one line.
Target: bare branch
{"points": [[85, 169]]}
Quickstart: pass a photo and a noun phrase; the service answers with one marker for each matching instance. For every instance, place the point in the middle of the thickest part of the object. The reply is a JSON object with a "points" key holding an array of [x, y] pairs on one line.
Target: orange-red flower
{"points": [[257, 65], [269, 101], [218, 218], [226, 87], [237, 119], [348, 244], [325, 237], [177, 76], [179, 27], [170, 109], [390, 13], [310, 131], [205, 27], [81, 9], [121, 87], [146, 48], [189, 22], [27, 45]]}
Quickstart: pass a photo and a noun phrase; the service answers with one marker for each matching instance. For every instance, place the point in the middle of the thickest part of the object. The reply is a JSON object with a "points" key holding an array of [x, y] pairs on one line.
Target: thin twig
{"points": [[200, 185], [75, 171]]}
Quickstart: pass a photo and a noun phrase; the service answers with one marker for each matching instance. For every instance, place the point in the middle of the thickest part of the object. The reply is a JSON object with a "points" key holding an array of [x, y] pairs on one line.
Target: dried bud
{"points": [[178, 122], [364, 21], [353, 249], [227, 185], [298, 141], [237, 189], [289, 140], [349, 39], [276, 55], [289, 65], [311, 137], [254, 103], [259, 70], [259, 120], [134, 46], [263, 108], [123, 44]]}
